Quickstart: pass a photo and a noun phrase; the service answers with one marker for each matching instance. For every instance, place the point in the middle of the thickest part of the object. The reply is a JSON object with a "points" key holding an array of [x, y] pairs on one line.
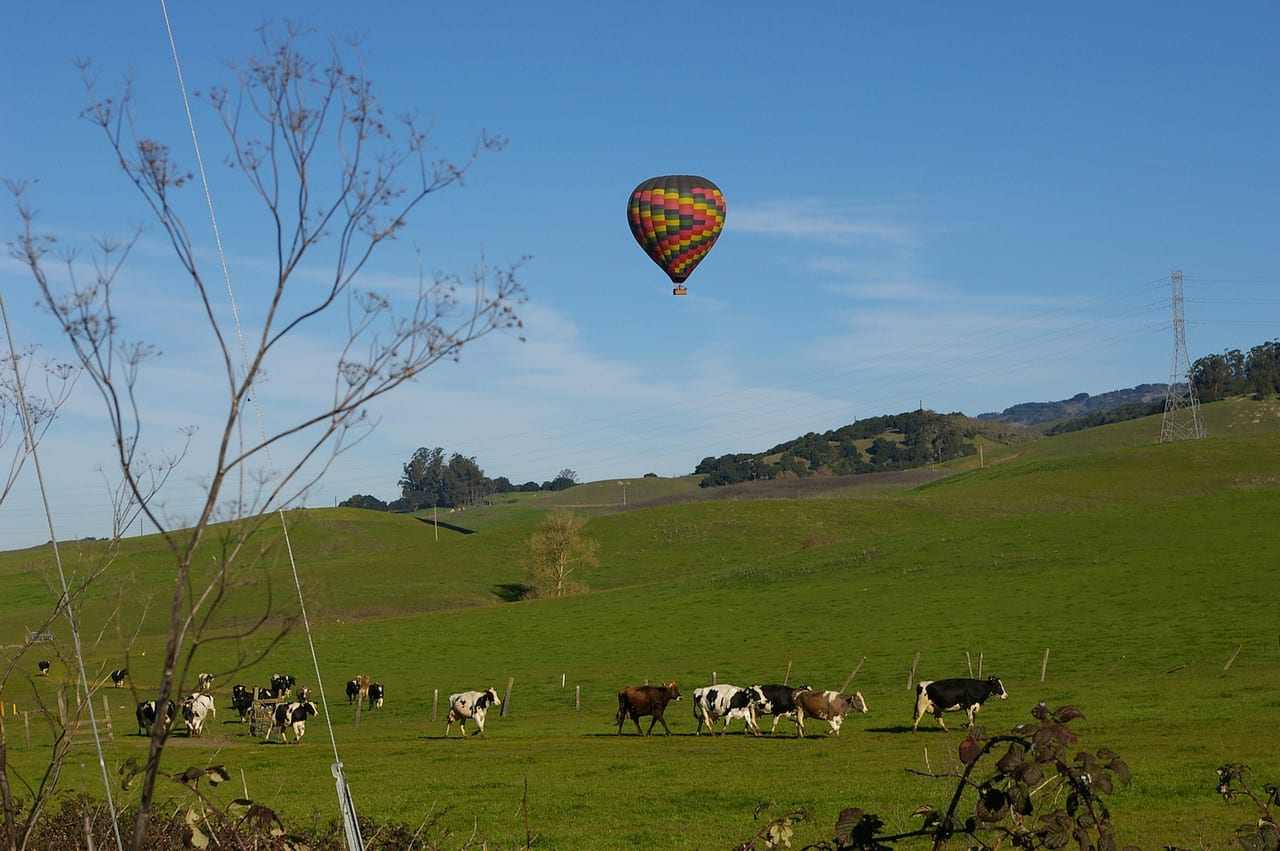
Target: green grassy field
{"points": [[1140, 568]]}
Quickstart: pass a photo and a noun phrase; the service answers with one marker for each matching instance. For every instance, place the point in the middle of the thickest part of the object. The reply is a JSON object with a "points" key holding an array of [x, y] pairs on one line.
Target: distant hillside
{"points": [[1079, 405], [905, 441]]}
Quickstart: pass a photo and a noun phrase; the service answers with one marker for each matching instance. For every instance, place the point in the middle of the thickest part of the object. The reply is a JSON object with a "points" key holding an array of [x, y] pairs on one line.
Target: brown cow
{"points": [[830, 706], [635, 701]]}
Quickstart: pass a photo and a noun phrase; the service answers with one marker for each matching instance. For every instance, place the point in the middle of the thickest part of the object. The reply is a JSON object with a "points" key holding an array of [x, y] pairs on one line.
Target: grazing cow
{"points": [[938, 696], [375, 695], [470, 704], [291, 715], [204, 682], [146, 714], [634, 702], [44, 668], [711, 703], [118, 677], [282, 684], [780, 702], [829, 706], [195, 709]]}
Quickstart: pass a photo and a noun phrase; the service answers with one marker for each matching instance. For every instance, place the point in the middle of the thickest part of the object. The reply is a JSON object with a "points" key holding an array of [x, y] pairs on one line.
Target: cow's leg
{"points": [[972, 712], [660, 717], [923, 705], [938, 716], [799, 723], [835, 726]]}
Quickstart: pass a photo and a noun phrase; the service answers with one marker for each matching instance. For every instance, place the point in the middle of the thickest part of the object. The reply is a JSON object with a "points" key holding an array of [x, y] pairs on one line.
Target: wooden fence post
{"points": [[845, 687], [577, 698], [979, 664], [968, 661], [1114, 665], [1044, 666], [1233, 658], [106, 713], [435, 702], [787, 677], [911, 677], [506, 700]]}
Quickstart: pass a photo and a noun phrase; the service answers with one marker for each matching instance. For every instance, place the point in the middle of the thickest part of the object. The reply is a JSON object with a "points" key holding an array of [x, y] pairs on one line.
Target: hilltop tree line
{"points": [[895, 442], [431, 481], [1235, 373]]}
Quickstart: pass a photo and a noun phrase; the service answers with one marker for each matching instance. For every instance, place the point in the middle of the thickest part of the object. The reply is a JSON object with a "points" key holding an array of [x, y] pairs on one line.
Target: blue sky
{"points": [[964, 206]]}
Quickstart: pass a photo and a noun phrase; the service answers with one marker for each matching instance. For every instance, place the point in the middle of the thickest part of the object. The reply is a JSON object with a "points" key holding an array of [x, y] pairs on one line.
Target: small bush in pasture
{"points": [[556, 550]]}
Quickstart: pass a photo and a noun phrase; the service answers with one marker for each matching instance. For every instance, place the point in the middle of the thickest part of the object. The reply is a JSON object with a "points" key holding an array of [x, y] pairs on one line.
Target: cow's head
{"points": [[857, 703], [762, 703], [493, 697], [997, 688], [673, 691]]}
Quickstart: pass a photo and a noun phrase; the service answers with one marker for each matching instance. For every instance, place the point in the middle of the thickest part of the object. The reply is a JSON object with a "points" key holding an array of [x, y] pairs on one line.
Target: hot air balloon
{"points": [[676, 219]]}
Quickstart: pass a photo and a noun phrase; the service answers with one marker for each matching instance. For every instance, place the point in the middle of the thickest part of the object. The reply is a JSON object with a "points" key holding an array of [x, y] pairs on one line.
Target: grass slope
{"points": [[1139, 567]]}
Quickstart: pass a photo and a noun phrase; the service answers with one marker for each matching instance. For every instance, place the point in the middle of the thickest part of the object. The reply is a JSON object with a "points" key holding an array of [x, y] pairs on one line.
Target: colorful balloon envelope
{"points": [[676, 219]]}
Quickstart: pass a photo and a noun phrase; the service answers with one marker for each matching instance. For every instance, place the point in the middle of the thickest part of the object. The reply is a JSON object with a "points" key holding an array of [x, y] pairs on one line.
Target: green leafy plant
{"points": [[1264, 833], [1041, 792]]}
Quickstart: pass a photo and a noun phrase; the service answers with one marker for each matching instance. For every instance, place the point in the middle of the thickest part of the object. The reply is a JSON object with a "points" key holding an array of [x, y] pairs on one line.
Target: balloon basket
{"points": [[679, 291]]}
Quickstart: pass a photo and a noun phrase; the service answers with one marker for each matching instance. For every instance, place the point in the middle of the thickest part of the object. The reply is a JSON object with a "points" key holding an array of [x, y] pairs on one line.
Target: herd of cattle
{"points": [[288, 708], [725, 703], [285, 707]]}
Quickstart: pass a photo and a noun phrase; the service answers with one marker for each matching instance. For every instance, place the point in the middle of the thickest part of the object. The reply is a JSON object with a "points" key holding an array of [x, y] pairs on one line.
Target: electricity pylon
{"points": [[1181, 407]]}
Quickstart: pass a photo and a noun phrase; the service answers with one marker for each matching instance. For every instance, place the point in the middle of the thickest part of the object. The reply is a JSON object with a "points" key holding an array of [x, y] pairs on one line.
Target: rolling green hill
{"points": [[1128, 572]]}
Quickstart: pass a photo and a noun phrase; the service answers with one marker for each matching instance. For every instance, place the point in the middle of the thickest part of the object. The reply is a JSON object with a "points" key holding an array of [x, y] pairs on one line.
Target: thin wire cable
{"points": [[351, 824], [28, 436]]}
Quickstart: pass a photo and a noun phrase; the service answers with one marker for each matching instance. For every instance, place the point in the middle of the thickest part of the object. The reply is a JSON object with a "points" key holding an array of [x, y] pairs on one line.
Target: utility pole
{"points": [[1181, 407]]}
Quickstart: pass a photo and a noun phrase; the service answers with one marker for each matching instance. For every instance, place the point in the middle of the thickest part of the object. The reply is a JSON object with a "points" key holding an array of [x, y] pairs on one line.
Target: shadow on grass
{"points": [[513, 592]]}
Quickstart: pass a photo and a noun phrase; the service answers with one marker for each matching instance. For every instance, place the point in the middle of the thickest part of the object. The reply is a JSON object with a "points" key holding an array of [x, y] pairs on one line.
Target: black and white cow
{"points": [[376, 693], [146, 714], [44, 668], [723, 701], [118, 677], [242, 698], [291, 716], [938, 696], [195, 709], [282, 684], [470, 704], [353, 690], [780, 702], [204, 682]]}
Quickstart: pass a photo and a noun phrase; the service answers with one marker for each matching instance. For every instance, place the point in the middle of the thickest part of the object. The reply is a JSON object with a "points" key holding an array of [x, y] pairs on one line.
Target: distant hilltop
{"points": [[1079, 405]]}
